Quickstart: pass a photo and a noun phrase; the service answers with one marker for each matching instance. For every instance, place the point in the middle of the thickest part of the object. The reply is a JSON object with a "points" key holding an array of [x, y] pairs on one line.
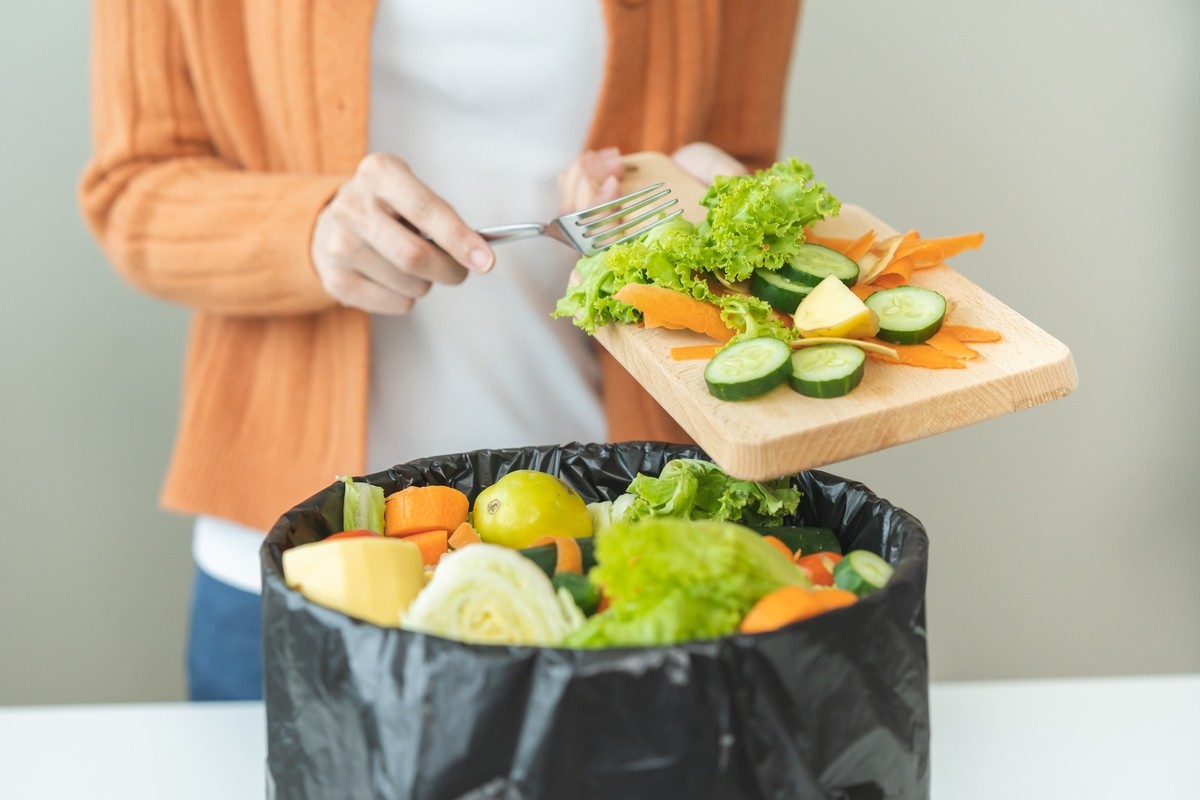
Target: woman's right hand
{"points": [[368, 247]]}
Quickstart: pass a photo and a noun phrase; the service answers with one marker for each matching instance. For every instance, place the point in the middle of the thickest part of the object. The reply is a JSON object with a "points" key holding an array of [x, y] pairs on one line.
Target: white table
{"points": [[1011, 740]]}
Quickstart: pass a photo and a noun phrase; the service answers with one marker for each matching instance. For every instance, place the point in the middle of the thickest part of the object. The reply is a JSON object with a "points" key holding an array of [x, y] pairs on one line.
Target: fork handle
{"points": [[510, 233]]}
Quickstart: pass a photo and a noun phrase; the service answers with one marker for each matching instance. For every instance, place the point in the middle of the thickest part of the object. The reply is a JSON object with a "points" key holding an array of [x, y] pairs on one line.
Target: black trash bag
{"points": [[833, 707]]}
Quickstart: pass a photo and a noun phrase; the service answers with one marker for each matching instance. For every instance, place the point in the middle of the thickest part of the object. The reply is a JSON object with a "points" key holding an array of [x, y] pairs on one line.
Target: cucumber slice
{"points": [[907, 314], [779, 292], [814, 262], [862, 572], [748, 369], [827, 370], [804, 540], [583, 592]]}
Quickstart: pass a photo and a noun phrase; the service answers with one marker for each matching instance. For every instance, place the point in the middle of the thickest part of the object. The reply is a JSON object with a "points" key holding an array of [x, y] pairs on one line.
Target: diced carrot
{"points": [[424, 508], [966, 333], [432, 544], [833, 597], [695, 351], [463, 536], [953, 245], [950, 345], [918, 355], [670, 307], [568, 557], [778, 544]]}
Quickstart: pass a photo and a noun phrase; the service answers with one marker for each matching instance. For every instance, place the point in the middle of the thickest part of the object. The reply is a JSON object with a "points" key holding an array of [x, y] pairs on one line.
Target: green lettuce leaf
{"points": [[690, 488], [757, 221], [673, 580]]}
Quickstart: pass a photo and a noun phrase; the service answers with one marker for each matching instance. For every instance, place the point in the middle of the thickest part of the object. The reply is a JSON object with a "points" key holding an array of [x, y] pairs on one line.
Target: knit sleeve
{"points": [[175, 218], [755, 46]]}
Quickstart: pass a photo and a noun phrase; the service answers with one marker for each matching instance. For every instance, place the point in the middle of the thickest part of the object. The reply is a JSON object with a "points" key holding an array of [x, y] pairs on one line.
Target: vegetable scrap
{"points": [[755, 268], [689, 554]]}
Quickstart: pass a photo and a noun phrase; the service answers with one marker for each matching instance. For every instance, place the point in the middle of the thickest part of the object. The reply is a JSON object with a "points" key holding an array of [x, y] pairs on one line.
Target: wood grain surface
{"points": [[783, 432]]}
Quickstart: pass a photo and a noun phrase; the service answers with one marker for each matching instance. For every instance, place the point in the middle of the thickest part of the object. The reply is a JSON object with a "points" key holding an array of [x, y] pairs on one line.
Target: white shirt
{"points": [[487, 102]]}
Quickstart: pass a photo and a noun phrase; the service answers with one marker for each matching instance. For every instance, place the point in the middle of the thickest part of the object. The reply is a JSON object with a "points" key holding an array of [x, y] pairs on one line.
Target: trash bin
{"points": [[832, 707]]}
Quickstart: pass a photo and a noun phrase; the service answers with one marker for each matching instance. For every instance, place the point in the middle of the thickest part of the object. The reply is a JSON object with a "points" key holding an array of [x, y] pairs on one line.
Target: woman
{"points": [[274, 165]]}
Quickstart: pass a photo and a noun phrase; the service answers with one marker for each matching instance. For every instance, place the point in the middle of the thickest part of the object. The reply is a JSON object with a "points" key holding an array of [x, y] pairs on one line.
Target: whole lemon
{"points": [[526, 504]]}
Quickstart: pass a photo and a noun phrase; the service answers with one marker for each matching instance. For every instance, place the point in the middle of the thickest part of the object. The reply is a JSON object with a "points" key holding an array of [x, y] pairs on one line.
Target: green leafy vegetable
{"points": [[753, 221], [757, 221], [363, 506], [691, 488], [672, 580]]}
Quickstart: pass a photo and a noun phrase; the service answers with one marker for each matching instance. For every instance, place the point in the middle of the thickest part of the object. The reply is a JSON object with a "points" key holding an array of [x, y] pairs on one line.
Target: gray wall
{"points": [[1063, 539]]}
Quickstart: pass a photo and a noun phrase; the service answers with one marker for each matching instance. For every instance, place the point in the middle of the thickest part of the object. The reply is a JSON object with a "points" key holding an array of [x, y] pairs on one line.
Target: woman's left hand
{"points": [[704, 161], [591, 179]]}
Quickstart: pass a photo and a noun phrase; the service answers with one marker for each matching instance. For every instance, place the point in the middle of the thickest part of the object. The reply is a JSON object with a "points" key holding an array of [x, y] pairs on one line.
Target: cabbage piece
{"points": [[488, 594], [362, 507], [672, 580]]}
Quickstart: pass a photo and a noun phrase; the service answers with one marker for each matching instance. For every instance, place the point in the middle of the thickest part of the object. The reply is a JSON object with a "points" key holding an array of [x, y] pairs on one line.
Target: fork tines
{"points": [[593, 220]]}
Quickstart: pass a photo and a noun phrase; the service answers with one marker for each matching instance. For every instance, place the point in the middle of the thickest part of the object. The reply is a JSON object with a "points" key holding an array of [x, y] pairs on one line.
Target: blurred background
{"points": [[1064, 539]]}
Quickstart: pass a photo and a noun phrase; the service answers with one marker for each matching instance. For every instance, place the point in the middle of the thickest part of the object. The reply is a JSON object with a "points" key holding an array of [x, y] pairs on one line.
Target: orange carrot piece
{"points": [[953, 245], [851, 248], [568, 557], [463, 536], [432, 544], [917, 355], [861, 246], [424, 508], [901, 267], [778, 544], [927, 254], [950, 345], [792, 604], [695, 351], [966, 333], [864, 290], [909, 243], [670, 307], [889, 280]]}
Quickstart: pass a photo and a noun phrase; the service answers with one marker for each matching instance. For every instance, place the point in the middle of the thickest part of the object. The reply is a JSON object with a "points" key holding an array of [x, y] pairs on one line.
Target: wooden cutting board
{"points": [[784, 432]]}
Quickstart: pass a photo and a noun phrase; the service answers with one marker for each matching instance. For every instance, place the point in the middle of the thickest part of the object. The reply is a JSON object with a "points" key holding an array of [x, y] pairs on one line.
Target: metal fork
{"points": [[597, 228]]}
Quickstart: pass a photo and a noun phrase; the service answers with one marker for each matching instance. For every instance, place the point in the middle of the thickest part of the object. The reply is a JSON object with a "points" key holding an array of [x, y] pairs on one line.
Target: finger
{"points": [[355, 290], [416, 203], [373, 266], [406, 251], [704, 161]]}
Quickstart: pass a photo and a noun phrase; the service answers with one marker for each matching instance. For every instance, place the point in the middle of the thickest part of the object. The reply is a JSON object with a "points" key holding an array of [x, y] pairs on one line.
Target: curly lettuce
{"points": [[757, 221], [691, 488], [672, 580], [753, 222]]}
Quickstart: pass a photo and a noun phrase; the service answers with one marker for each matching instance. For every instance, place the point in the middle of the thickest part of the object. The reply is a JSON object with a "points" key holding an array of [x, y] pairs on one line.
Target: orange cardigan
{"points": [[222, 127]]}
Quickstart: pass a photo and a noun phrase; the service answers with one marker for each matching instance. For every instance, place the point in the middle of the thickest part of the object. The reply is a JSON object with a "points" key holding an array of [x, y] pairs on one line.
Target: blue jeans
{"points": [[224, 647]]}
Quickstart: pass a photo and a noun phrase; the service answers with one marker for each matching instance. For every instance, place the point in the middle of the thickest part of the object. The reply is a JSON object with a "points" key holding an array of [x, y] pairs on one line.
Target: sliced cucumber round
{"points": [[815, 262], [862, 572], [748, 369], [779, 292], [907, 314], [827, 370]]}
